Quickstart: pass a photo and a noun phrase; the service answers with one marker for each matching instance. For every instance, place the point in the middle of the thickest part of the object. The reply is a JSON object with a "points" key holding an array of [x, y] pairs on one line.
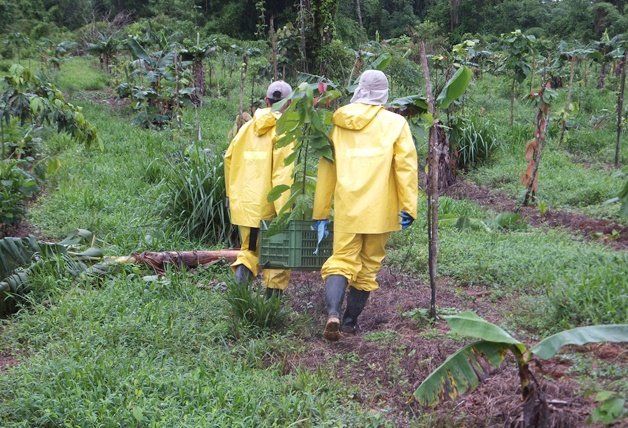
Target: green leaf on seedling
{"points": [[276, 192], [610, 409]]}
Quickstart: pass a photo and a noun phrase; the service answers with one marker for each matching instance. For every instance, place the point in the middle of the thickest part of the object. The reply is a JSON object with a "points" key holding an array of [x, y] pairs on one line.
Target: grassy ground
{"points": [[129, 351], [575, 176], [566, 281], [124, 351]]}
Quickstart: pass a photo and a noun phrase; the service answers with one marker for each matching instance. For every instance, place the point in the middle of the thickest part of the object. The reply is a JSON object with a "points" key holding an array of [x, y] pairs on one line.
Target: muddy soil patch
{"points": [[7, 361], [394, 353], [609, 232]]}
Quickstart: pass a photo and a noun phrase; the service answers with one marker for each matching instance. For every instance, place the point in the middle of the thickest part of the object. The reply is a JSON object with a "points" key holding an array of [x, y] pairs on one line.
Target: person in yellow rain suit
{"points": [[374, 185], [252, 168]]}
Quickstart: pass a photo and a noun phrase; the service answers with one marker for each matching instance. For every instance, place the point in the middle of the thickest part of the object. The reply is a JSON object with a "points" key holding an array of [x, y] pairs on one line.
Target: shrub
{"points": [[336, 60], [16, 187], [195, 198], [472, 141]]}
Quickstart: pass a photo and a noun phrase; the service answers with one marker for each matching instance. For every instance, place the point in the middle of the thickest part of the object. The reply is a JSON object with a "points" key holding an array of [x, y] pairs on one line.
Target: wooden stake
{"points": [[432, 182], [620, 108]]}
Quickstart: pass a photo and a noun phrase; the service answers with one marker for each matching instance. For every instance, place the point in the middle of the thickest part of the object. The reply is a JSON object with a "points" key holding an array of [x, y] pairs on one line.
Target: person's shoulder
{"points": [[392, 117]]}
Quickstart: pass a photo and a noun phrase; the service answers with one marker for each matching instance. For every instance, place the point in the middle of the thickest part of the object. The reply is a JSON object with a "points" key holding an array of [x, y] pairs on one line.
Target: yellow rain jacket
{"points": [[253, 167], [375, 172]]}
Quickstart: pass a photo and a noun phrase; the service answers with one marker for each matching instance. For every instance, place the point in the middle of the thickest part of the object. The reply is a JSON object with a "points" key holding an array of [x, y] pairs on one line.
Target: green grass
{"points": [[125, 352], [133, 353], [573, 176], [527, 262], [80, 74], [562, 184]]}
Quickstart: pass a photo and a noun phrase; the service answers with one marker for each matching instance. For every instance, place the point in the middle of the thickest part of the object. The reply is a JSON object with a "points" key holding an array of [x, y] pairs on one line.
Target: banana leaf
{"points": [[471, 325], [550, 346], [462, 371]]}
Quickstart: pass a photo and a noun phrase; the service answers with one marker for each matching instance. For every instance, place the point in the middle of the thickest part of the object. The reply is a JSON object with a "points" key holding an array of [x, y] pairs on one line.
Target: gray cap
{"points": [[278, 90]]}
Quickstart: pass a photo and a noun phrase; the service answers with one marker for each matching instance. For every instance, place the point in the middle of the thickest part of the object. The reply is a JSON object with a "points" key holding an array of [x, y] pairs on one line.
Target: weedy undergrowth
{"points": [[252, 309]]}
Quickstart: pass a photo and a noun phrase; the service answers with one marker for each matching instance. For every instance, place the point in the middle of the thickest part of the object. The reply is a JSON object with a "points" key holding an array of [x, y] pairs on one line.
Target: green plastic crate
{"points": [[294, 247]]}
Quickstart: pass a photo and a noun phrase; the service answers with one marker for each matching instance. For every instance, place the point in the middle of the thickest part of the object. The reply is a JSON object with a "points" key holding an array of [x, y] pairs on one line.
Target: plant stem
{"points": [[572, 66], [512, 101], [432, 183], [542, 120], [620, 107]]}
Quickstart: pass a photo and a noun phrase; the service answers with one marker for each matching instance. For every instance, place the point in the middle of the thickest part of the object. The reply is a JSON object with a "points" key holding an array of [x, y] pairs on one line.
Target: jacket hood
{"points": [[264, 120], [355, 116]]}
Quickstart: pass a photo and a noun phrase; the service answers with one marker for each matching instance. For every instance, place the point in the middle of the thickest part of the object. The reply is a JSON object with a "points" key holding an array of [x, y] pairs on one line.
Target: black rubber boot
{"points": [[273, 292], [356, 301], [334, 296], [243, 275]]}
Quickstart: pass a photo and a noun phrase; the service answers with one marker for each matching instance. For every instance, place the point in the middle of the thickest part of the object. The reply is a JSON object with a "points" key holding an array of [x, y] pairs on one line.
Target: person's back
{"points": [[252, 168], [368, 158], [373, 181]]}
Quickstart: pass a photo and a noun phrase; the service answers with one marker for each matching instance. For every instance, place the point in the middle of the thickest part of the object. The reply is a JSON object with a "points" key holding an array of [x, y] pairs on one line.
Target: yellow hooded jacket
{"points": [[375, 172], [253, 167]]}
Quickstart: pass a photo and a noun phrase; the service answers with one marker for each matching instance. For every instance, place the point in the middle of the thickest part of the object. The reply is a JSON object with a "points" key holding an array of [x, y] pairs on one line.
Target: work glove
{"points": [[405, 220], [322, 232]]}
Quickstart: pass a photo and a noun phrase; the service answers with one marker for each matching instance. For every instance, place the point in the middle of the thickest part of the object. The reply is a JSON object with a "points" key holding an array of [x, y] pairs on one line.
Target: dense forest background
{"points": [[355, 20]]}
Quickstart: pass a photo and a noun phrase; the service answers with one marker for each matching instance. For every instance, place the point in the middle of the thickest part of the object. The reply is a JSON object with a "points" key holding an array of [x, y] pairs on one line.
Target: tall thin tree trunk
{"points": [[358, 9], [532, 74], [302, 45], [572, 68], [273, 44], [535, 148], [432, 183], [512, 101], [454, 15], [620, 108], [245, 61]]}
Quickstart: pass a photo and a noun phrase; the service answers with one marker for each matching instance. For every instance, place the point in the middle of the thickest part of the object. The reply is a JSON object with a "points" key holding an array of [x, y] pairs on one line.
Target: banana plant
{"points": [[21, 257], [573, 55], [168, 78], [605, 51], [105, 46], [196, 53], [465, 369]]}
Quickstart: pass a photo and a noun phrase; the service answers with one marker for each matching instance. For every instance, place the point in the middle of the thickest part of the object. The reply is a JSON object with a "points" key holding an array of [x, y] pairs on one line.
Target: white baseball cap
{"points": [[278, 90]]}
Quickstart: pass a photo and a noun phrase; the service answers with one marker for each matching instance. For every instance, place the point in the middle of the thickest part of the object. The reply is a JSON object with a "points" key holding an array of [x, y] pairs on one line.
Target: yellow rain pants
{"points": [[249, 257], [357, 257]]}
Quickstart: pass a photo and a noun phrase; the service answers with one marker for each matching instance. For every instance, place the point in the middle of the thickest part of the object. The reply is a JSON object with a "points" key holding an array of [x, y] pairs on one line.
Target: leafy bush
{"points": [[336, 59], [472, 141], [194, 200], [591, 296], [254, 309], [16, 186]]}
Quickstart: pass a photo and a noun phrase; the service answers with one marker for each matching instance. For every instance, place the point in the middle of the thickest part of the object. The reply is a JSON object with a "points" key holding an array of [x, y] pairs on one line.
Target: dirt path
{"points": [[393, 353], [614, 234]]}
